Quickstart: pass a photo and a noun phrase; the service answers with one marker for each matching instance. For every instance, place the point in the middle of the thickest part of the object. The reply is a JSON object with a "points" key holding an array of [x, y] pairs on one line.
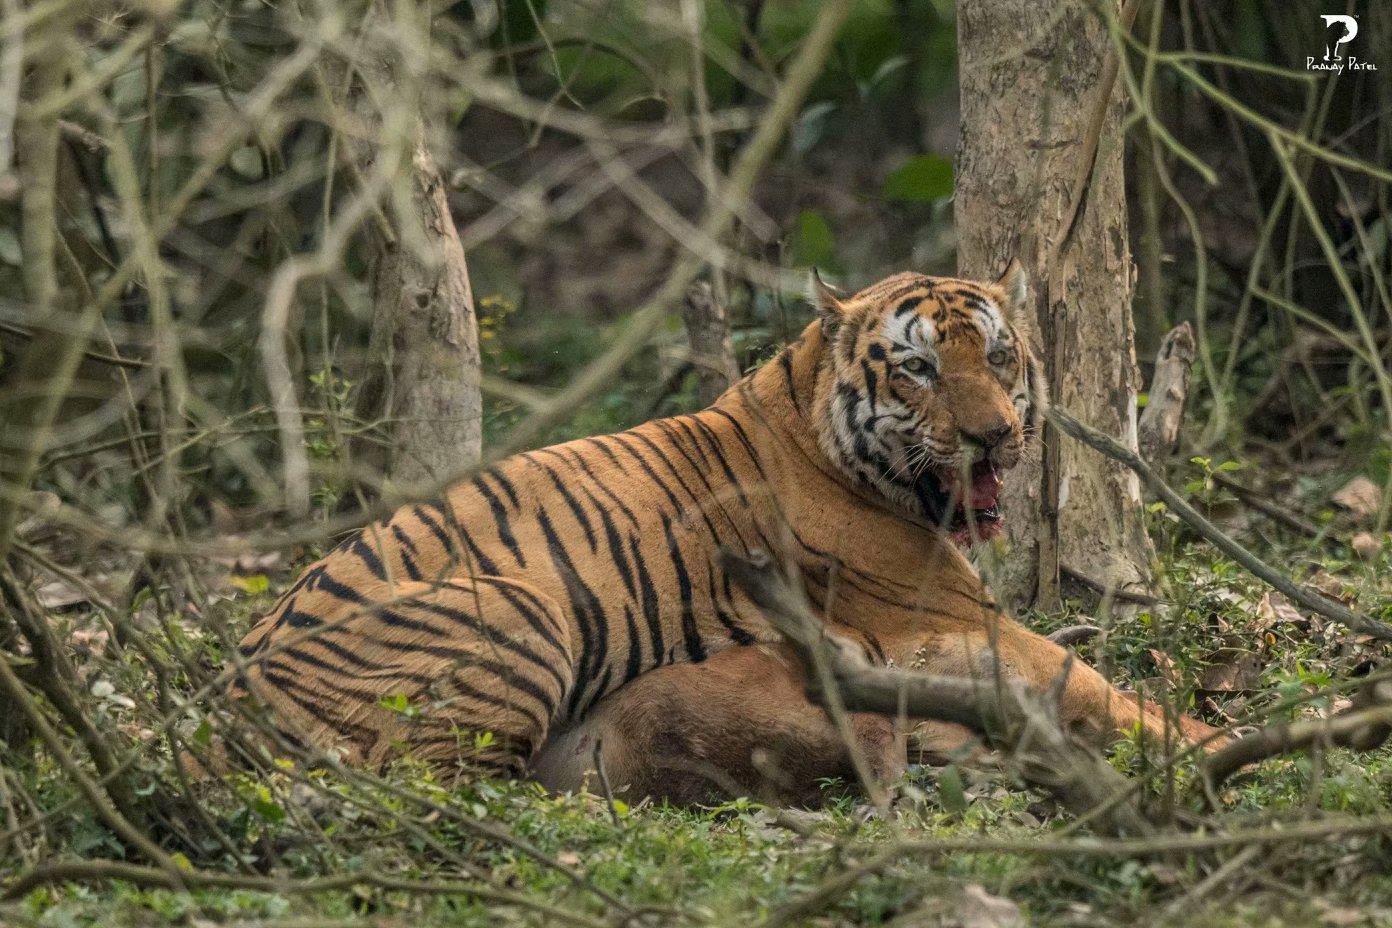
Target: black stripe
{"points": [[918, 283], [714, 441], [323, 580], [360, 664], [303, 656], [744, 440], [876, 647], [678, 441], [507, 486], [598, 442], [785, 361], [600, 689], [538, 611], [907, 306], [737, 632], [405, 549], [691, 636], [635, 650], [500, 519], [473, 692], [574, 507], [369, 558], [435, 528], [871, 383], [465, 659], [615, 543], [585, 606], [652, 610], [647, 469], [297, 619], [490, 635], [599, 485], [510, 677], [681, 481], [310, 703]]}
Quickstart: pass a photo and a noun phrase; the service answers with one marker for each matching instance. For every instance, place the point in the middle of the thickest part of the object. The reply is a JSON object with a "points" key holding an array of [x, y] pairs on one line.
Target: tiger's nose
{"points": [[984, 442]]}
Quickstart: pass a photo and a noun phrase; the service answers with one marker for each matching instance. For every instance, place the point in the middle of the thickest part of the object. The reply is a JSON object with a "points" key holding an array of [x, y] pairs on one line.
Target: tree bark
{"points": [[423, 378], [1031, 78], [708, 334]]}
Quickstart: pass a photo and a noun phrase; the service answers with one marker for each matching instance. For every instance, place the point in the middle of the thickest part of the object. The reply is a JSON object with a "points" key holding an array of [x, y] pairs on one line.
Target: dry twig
{"points": [[1362, 727], [1296, 592]]}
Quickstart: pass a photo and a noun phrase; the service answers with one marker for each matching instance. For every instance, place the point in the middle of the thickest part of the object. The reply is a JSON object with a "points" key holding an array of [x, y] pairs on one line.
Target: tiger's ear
{"points": [[1016, 287], [827, 301]]}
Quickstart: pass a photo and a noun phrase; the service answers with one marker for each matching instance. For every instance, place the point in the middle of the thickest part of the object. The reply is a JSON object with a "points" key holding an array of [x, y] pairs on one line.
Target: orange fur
{"points": [[505, 611]]}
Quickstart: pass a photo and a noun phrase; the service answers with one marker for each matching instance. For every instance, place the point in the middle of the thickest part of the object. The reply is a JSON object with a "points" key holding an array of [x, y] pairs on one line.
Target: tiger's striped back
{"points": [[600, 553]]}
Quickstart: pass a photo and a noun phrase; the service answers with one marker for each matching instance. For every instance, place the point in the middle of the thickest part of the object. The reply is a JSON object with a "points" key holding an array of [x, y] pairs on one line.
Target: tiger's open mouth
{"points": [[975, 499]]}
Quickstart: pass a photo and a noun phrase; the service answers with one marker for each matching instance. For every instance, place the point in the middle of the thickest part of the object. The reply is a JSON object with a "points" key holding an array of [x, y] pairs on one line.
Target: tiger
{"points": [[469, 630]]}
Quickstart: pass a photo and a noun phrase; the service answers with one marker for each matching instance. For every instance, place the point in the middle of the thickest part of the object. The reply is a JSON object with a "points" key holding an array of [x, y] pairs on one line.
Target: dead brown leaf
{"points": [[980, 909], [1165, 664], [1330, 586], [59, 594], [1232, 672], [1274, 609]]}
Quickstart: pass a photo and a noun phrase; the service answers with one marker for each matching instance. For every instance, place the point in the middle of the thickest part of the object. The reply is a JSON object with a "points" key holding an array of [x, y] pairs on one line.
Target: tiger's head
{"points": [[929, 390]]}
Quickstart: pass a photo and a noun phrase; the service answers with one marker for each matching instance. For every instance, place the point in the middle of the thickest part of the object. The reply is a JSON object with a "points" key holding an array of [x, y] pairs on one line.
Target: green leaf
{"points": [[396, 702], [266, 807], [951, 792], [812, 243], [921, 179], [811, 125], [256, 583]]}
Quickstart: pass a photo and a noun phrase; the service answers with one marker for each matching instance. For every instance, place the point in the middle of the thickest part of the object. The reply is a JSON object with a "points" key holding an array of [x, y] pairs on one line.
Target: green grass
{"points": [[739, 863]]}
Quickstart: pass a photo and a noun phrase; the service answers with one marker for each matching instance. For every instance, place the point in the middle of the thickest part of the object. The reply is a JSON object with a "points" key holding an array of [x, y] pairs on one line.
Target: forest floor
{"points": [[1229, 649]]}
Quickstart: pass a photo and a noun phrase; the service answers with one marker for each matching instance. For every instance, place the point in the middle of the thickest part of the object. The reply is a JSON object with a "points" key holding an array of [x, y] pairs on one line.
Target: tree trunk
{"points": [[708, 334], [423, 379], [1031, 74]]}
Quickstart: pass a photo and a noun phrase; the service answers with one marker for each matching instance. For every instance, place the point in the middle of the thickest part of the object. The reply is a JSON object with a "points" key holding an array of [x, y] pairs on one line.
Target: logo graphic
{"points": [[1350, 27], [1340, 29]]}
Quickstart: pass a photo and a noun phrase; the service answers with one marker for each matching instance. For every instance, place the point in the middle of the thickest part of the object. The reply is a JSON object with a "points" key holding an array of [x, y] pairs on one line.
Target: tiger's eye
{"points": [[998, 357], [915, 366]]}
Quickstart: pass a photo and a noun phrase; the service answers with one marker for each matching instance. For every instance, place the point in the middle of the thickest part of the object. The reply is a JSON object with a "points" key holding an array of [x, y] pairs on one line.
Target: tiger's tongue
{"points": [[985, 486]]}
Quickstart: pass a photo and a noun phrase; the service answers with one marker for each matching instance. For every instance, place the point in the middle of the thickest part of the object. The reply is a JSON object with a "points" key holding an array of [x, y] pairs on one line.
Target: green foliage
{"points": [[812, 243], [923, 178]]}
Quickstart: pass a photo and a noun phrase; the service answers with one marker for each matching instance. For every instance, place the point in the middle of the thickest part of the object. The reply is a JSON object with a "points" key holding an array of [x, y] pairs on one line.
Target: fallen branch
{"points": [[1362, 727], [1103, 590], [1000, 708], [1296, 592], [1254, 500], [1073, 634]]}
